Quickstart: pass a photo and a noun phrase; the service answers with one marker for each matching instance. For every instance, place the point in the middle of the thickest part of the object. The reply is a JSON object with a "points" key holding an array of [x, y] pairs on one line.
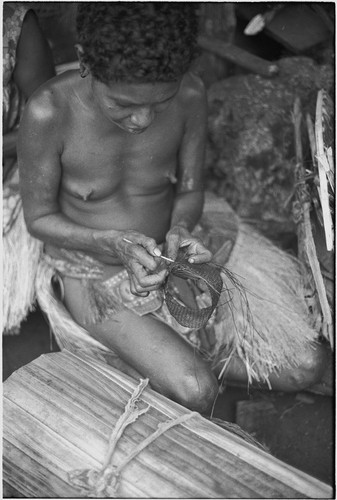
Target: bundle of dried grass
{"points": [[21, 254], [61, 411]]}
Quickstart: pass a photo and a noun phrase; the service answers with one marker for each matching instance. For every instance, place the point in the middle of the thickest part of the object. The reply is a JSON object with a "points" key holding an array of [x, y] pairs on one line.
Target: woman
{"points": [[117, 179]]}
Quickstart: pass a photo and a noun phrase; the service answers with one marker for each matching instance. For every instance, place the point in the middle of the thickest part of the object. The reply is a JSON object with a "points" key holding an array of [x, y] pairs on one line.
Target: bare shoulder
{"points": [[193, 100], [47, 105], [192, 89]]}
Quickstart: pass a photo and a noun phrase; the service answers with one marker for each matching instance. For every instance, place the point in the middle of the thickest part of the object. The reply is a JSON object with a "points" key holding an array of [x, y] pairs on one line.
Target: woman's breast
{"points": [[146, 212], [113, 180]]}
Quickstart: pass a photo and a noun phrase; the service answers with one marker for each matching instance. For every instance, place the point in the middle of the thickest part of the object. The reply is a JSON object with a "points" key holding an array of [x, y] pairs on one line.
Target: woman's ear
{"points": [[84, 70], [79, 51]]}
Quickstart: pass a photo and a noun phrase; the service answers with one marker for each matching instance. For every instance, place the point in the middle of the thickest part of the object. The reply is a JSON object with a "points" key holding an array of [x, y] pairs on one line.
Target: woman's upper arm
{"points": [[34, 60], [39, 160], [192, 149]]}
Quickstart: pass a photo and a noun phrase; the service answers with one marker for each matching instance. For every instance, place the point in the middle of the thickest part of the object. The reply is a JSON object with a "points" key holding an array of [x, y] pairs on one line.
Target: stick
{"points": [[323, 169], [311, 134], [238, 56], [327, 327], [312, 141], [161, 256], [260, 21]]}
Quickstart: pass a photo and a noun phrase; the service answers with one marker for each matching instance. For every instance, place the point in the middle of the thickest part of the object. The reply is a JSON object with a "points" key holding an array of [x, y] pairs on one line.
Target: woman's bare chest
{"points": [[105, 162]]}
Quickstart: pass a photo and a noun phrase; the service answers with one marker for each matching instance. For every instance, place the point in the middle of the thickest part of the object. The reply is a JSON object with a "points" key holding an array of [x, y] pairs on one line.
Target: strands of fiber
{"points": [[231, 285], [185, 271], [267, 327], [186, 316], [235, 300], [222, 285], [104, 482], [236, 429], [21, 254], [210, 276]]}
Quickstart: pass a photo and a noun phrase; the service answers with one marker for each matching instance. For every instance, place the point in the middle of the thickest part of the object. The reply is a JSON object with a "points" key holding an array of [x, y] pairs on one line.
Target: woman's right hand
{"points": [[140, 256]]}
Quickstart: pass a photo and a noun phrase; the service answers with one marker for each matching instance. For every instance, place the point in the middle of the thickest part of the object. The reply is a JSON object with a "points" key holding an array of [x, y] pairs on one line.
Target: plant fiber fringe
{"points": [[21, 255], [264, 322], [267, 326]]}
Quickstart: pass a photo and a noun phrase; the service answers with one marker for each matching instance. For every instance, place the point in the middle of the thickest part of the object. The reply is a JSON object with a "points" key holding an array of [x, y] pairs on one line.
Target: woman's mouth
{"points": [[135, 130]]}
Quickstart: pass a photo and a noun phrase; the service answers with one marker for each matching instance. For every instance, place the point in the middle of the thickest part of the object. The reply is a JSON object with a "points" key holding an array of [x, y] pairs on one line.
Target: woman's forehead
{"points": [[141, 93]]}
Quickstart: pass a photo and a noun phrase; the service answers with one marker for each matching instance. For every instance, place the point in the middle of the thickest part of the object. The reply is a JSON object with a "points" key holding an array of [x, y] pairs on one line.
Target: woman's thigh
{"points": [[150, 346]]}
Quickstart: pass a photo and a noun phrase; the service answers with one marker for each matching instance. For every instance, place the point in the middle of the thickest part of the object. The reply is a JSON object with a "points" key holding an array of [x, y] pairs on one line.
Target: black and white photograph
{"points": [[168, 249]]}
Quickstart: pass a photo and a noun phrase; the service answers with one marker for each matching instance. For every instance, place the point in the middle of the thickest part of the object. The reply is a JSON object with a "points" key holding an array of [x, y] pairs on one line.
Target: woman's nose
{"points": [[142, 118]]}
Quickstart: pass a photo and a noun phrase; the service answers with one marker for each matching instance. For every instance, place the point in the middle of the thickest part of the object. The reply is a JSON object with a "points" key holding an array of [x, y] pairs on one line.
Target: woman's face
{"points": [[133, 106]]}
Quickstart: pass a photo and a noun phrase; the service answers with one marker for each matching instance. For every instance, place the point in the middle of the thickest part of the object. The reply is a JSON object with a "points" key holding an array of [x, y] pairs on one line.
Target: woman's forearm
{"points": [[187, 209], [58, 230], [118, 245]]}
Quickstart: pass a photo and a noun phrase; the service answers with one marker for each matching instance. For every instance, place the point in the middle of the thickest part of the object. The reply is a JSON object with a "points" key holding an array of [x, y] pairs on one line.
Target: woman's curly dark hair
{"points": [[137, 41]]}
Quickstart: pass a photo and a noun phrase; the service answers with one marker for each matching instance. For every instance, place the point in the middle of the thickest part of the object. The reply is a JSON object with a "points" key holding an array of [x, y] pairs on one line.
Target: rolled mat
{"points": [[65, 413]]}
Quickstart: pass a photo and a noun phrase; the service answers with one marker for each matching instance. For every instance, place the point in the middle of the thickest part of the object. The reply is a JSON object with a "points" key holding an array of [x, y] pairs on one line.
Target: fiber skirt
{"points": [[264, 320]]}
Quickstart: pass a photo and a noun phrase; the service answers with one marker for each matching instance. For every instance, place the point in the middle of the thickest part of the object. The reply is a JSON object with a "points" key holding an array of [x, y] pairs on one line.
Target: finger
{"points": [[136, 288], [144, 281], [141, 248], [143, 258], [136, 291], [200, 258], [149, 244], [198, 253], [185, 243], [172, 246], [152, 281]]}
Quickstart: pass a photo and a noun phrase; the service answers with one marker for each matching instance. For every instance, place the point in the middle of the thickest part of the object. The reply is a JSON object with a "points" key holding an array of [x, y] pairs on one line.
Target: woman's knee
{"points": [[309, 371], [197, 392]]}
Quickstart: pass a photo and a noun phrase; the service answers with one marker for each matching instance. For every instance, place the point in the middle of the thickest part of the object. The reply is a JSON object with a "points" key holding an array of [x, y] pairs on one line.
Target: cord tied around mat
{"points": [[104, 483]]}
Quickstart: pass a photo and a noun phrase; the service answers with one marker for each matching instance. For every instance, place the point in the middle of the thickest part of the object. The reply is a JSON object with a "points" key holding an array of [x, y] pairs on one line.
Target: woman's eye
{"points": [[160, 107], [116, 105], [118, 108]]}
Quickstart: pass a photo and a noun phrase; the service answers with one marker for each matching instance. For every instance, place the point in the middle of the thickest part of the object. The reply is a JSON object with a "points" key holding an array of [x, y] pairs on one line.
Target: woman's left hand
{"points": [[178, 237]]}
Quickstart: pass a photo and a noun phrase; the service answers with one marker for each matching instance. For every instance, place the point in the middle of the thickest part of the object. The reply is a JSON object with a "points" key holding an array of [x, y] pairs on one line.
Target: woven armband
{"points": [[210, 275]]}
